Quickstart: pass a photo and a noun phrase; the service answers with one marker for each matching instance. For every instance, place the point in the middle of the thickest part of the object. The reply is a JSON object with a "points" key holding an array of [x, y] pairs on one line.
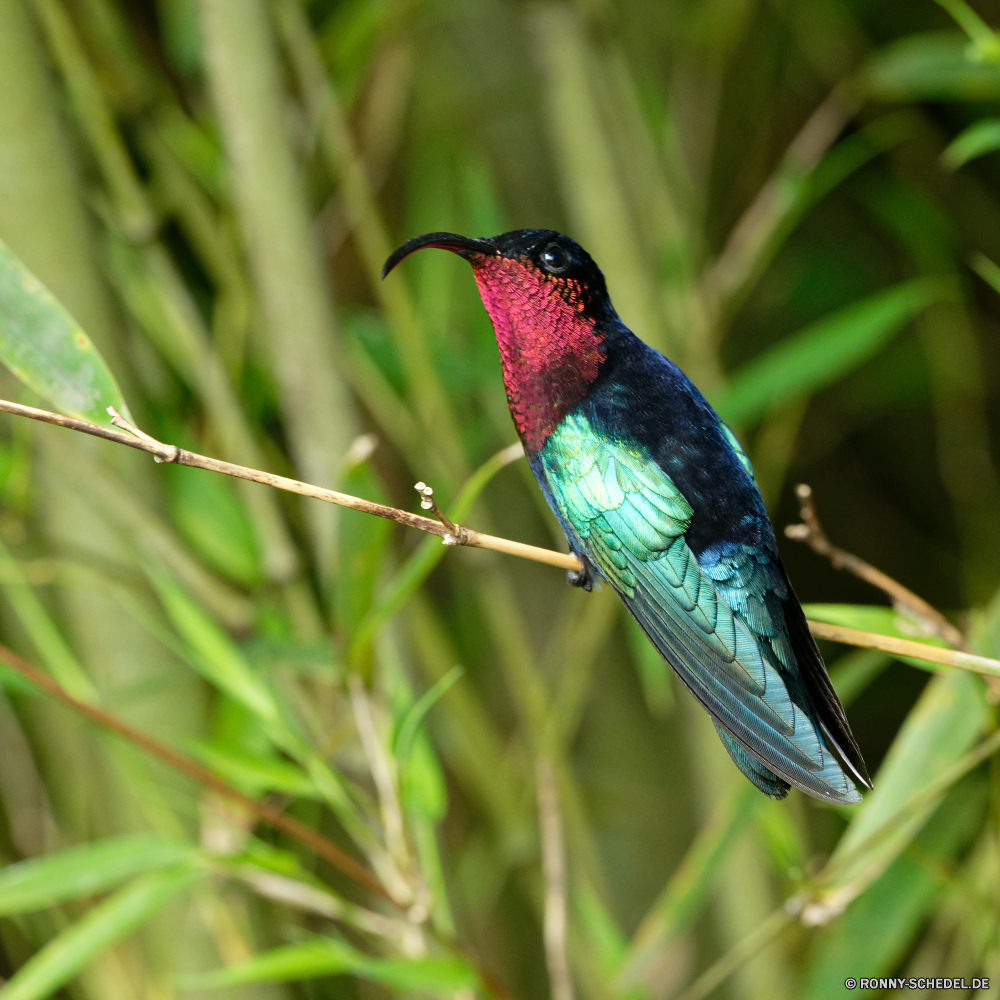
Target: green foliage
{"points": [[820, 355], [84, 871], [118, 916], [932, 67], [328, 957], [978, 139], [48, 350], [877, 927]]}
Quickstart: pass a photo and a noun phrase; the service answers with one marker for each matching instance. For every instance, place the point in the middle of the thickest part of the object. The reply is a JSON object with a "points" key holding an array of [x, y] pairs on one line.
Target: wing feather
{"points": [[716, 619]]}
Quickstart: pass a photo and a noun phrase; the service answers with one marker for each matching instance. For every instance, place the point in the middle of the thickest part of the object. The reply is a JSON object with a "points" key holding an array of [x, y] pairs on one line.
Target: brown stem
{"points": [[179, 456], [905, 647], [811, 532], [306, 836], [466, 536]]}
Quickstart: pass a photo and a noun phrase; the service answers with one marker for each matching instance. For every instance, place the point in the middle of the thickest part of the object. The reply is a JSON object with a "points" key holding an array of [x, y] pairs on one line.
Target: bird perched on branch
{"points": [[657, 498]]}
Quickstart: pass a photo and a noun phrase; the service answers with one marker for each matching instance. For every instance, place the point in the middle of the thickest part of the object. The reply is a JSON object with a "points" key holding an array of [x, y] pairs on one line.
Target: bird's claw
{"points": [[582, 577]]}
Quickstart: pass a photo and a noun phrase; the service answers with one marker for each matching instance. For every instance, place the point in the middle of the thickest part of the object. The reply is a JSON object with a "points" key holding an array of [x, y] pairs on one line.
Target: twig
{"points": [[316, 843], [905, 647], [466, 536], [306, 836], [171, 453], [455, 533], [811, 532], [554, 870]]}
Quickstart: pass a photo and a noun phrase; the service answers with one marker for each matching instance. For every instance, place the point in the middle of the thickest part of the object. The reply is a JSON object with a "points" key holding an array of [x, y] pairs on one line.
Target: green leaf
{"points": [[978, 139], [423, 786], [84, 871], [607, 946], [428, 554], [103, 926], [782, 838], [987, 269], [876, 930], [949, 717], [984, 636], [216, 656], [854, 671], [930, 67], [208, 513], [408, 727], [252, 774], [825, 351], [688, 889], [362, 546], [47, 349], [329, 957]]}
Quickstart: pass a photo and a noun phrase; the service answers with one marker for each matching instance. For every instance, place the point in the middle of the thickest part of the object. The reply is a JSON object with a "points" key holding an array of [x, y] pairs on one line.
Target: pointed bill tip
{"points": [[462, 245]]}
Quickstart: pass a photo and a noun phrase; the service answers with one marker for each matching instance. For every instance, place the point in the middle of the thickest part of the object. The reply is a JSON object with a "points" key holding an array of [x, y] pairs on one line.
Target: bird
{"points": [[658, 500]]}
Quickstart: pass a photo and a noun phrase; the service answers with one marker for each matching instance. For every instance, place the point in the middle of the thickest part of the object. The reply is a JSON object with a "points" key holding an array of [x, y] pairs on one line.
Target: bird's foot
{"points": [[583, 577]]}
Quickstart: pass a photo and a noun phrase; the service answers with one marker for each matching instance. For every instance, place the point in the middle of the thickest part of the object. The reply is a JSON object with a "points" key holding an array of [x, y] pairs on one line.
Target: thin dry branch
{"points": [[811, 532], [904, 647], [134, 438], [456, 534], [306, 836]]}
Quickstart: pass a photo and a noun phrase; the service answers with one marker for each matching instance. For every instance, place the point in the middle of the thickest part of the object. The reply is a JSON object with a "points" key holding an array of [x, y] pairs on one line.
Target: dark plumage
{"points": [[658, 499]]}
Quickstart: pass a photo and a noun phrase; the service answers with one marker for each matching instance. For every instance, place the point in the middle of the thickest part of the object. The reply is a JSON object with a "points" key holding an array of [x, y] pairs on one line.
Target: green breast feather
{"points": [[631, 520]]}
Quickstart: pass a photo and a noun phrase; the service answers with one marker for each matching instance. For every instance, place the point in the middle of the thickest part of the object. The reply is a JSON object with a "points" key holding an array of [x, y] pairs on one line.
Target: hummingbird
{"points": [[658, 499]]}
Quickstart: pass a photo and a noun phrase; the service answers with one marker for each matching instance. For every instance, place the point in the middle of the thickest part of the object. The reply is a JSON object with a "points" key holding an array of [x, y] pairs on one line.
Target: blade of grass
{"points": [[421, 563], [45, 223], [151, 287], [95, 118], [825, 351], [84, 871], [329, 957], [949, 716], [687, 891], [112, 496], [929, 67], [102, 927], [978, 139], [48, 640], [273, 817], [878, 928]]}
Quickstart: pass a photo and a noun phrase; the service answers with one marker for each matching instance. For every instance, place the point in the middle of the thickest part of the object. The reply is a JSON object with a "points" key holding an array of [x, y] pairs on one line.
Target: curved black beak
{"points": [[461, 245]]}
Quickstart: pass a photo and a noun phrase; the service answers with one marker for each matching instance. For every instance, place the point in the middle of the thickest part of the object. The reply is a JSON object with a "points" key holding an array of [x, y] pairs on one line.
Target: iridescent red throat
{"points": [[549, 348]]}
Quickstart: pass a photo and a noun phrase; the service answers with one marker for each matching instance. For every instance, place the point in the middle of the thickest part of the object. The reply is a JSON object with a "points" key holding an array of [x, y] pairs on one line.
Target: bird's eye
{"points": [[554, 259]]}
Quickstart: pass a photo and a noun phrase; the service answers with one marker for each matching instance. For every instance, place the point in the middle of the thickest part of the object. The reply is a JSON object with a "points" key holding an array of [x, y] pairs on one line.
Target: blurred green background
{"points": [[798, 202]]}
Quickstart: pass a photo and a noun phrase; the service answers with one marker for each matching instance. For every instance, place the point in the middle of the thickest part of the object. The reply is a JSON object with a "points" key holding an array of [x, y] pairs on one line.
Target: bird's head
{"points": [[549, 307]]}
